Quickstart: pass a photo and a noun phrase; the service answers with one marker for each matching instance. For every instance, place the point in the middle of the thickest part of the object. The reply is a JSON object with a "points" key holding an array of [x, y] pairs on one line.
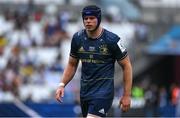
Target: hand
{"points": [[60, 94], [125, 103]]}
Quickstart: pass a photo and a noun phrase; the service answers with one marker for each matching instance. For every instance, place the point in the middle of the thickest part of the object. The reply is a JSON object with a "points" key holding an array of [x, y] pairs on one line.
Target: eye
{"points": [[91, 18], [85, 18]]}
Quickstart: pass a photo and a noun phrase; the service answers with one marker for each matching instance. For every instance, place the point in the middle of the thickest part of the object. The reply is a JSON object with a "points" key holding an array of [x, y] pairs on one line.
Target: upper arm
{"points": [[74, 46], [73, 62]]}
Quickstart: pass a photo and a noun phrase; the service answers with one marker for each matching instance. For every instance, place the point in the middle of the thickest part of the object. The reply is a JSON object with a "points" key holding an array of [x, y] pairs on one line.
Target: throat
{"points": [[95, 34]]}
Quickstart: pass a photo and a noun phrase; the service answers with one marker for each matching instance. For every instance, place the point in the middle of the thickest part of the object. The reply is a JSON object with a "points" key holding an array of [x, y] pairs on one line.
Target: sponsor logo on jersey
{"points": [[91, 48], [121, 46], [81, 49], [91, 56], [102, 111]]}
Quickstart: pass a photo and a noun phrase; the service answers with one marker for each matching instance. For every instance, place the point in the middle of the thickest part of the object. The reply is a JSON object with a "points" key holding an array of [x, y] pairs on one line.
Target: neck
{"points": [[94, 34]]}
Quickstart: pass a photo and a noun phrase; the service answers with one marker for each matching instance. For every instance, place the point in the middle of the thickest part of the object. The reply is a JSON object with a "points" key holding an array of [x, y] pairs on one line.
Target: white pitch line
{"points": [[26, 109]]}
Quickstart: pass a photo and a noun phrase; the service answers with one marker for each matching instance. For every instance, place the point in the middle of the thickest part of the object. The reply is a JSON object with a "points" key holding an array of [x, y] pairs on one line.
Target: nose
{"points": [[87, 19]]}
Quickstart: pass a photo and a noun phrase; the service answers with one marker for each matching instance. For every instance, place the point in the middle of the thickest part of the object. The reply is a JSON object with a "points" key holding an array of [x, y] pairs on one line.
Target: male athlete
{"points": [[97, 49]]}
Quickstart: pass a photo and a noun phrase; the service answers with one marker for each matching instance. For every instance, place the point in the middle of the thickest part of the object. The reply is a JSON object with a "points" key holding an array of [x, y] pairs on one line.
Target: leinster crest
{"points": [[103, 49]]}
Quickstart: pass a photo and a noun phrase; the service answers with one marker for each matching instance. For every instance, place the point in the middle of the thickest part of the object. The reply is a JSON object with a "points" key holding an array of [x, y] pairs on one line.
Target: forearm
{"points": [[68, 75], [127, 79], [127, 75], [69, 71]]}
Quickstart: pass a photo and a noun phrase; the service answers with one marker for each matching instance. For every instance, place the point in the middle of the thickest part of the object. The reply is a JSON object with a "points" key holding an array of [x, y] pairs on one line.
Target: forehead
{"points": [[89, 16]]}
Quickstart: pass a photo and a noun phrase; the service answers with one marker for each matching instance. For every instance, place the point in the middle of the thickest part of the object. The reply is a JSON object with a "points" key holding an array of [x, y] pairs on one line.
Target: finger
{"points": [[125, 108], [58, 97], [120, 102], [120, 105], [62, 94]]}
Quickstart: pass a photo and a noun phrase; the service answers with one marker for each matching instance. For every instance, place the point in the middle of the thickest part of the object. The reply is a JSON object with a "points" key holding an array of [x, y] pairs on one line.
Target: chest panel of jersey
{"points": [[94, 51]]}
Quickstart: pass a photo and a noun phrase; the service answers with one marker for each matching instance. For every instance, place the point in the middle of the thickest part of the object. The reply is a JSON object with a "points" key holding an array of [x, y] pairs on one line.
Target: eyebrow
{"points": [[89, 17]]}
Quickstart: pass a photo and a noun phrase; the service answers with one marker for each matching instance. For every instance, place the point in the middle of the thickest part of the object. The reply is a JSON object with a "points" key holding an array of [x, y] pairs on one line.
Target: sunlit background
{"points": [[35, 38]]}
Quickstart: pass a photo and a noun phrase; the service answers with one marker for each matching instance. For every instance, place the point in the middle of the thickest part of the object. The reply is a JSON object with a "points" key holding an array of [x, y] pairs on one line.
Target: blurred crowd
{"points": [[156, 100], [30, 43]]}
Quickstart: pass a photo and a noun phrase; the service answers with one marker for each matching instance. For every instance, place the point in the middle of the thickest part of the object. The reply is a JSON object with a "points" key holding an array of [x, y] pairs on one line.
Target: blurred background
{"points": [[35, 38]]}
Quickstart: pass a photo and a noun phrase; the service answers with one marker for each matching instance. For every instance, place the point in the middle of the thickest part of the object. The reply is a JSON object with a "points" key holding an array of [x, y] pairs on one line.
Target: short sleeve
{"points": [[74, 47], [118, 50]]}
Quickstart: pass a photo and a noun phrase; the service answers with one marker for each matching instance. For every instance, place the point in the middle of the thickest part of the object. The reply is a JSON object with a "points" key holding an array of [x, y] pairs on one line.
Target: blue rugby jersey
{"points": [[98, 57]]}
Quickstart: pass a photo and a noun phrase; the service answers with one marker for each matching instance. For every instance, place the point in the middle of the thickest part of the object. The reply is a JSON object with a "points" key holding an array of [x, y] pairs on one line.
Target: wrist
{"points": [[126, 94], [61, 84]]}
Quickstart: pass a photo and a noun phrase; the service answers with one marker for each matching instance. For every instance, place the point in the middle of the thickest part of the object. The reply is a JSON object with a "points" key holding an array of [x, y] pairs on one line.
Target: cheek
{"points": [[96, 22], [84, 22]]}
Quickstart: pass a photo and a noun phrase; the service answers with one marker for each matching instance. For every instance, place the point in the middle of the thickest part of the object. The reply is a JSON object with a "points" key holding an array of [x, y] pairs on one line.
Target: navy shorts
{"points": [[98, 107]]}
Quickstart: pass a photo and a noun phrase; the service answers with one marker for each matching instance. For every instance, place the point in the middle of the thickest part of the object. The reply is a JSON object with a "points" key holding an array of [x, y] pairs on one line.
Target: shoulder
{"points": [[79, 34], [77, 38], [111, 37]]}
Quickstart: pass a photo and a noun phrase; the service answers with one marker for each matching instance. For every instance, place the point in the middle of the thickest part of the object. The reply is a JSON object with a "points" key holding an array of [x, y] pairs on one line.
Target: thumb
{"points": [[62, 93], [120, 103]]}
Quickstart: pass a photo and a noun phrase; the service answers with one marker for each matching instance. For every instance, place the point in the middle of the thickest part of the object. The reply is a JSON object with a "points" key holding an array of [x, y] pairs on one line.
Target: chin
{"points": [[90, 30]]}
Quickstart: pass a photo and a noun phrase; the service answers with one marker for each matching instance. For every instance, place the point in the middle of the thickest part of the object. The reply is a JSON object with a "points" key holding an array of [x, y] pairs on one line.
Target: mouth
{"points": [[88, 25]]}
